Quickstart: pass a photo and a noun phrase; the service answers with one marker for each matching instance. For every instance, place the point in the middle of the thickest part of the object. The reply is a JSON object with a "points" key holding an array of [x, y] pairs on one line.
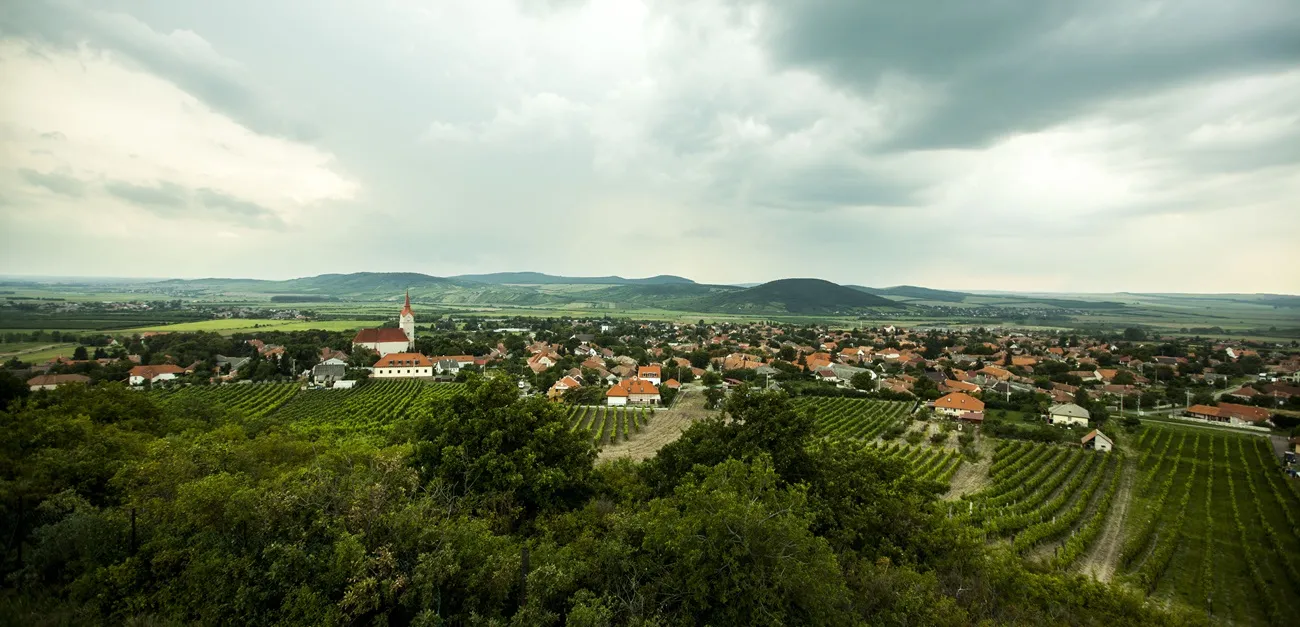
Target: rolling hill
{"points": [[538, 278], [915, 293], [798, 296]]}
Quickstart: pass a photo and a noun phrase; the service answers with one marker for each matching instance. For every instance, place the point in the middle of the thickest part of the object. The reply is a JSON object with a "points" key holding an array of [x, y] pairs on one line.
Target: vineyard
{"points": [[369, 408], [1213, 526], [852, 417], [253, 400], [609, 424], [931, 463], [1048, 502]]}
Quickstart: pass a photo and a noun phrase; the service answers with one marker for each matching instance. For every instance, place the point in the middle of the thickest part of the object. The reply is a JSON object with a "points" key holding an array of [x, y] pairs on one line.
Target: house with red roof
{"points": [[51, 381], [390, 340], [403, 365], [154, 374], [958, 403], [633, 391]]}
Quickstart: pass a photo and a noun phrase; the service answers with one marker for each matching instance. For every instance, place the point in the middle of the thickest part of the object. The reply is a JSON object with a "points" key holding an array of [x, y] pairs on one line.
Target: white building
{"points": [[1068, 414], [1097, 441], [403, 365], [154, 374]]}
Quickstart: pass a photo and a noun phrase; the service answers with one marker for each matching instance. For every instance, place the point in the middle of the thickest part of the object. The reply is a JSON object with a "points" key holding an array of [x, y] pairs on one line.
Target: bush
{"points": [[966, 439], [915, 437], [939, 438]]}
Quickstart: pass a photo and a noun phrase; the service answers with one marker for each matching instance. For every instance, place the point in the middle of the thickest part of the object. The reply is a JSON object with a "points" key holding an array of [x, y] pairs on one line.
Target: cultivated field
{"points": [[609, 424], [854, 417]]}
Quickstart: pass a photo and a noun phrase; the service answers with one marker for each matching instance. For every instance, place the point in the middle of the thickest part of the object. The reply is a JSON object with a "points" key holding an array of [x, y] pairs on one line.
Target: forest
{"points": [[482, 508]]}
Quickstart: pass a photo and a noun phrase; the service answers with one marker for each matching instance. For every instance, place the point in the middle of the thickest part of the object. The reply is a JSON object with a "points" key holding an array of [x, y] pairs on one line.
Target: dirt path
{"points": [[664, 426], [970, 477], [1103, 559]]}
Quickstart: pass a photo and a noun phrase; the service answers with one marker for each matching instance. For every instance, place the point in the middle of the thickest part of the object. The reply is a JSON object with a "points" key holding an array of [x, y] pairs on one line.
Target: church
{"points": [[385, 340]]}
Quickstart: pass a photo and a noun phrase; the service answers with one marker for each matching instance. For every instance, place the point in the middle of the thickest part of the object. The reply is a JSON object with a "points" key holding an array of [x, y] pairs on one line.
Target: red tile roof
{"points": [[149, 372], [403, 360], [58, 379], [375, 336], [957, 400]]}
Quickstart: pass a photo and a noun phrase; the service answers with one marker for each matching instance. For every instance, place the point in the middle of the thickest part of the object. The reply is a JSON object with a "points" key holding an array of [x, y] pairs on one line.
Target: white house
{"points": [[634, 391], [403, 365], [1096, 440], [332, 369], [651, 373], [154, 374], [1068, 414]]}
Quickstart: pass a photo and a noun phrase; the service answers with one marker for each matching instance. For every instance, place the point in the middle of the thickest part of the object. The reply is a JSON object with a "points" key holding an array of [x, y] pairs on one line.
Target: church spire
{"points": [[407, 309]]}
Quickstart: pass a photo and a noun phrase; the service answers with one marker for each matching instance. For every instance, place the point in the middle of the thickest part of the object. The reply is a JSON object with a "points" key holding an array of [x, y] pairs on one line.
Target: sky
{"points": [[1109, 145]]}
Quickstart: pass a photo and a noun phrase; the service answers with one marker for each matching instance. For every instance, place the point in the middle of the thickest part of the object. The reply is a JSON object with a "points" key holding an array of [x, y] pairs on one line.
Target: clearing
{"points": [[663, 427], [1102, 560]]}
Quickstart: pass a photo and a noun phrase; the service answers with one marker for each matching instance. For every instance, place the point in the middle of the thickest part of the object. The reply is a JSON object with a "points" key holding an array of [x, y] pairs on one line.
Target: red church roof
{"points": [[406, 310], [375, 336]]}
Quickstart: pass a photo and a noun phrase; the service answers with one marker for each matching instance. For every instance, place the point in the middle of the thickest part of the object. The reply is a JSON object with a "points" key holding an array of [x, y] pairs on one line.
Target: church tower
{"points": [[407, 319]]}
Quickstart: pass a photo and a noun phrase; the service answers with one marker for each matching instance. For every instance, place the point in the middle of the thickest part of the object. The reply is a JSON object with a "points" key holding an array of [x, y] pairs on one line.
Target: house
{"points": [[332, 369], [343, 385], [154, 374], [542, 361], [403, 365], [328, 353], [741, 361], [959, 386], [563, 385], [651, 373], [973, 417], [447, 366], [958, 403], [231, 364], [672, 384], [1230, 413], [1068, 414], [633, 391], [997, 373], [51, 381], [1097, 441]]}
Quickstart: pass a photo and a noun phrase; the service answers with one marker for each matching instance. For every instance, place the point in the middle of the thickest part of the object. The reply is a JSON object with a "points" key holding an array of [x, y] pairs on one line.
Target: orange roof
{"points": [[961, 385], [1023, 361], [616, 391], [403, 360], [1204, 410], [375, 336], [958, 400], [153, 371], [995, 372], [58, 379], [649, 371], [633, 386], [1243, 412], [672, 383]]}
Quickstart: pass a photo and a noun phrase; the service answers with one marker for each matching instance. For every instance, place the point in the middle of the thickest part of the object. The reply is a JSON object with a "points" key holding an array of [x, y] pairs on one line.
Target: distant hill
{"points": [[799, 296], [370, 286], [918, 293], [538, 278]]}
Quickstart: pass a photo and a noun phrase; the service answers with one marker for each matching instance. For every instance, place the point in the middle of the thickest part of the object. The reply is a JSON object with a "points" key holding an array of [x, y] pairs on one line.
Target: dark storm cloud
{"points": [[55, 182], [1007, 66], [181, 57]]}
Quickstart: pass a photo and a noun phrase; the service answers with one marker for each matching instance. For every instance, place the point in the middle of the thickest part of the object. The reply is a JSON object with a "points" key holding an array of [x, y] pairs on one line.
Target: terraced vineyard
{"points": [[609, 424], [925, 462], [854, 417], [1213, 525], [369, 408], [253, 400], [1044, 497]]}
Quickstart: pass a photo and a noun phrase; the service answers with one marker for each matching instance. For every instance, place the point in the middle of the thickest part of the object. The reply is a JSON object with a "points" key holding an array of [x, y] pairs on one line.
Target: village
{"points": [[1016, 383]]}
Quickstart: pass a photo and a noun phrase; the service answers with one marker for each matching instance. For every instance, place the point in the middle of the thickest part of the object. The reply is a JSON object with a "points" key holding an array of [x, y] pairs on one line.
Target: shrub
{"points": [[915, 437], [939, 438]]}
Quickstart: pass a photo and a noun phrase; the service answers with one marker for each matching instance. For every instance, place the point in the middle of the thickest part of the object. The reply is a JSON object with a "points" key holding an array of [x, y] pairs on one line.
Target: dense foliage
{"points": [[127, 509]]}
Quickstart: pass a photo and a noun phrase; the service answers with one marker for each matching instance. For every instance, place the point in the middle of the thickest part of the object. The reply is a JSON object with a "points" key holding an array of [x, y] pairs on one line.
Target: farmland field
{"points": [[231, 326], [370, 408], [853, 417], [609, 424], [932, 463]]}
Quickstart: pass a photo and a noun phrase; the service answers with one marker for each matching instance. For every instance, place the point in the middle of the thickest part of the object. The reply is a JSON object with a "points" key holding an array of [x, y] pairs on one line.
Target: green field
{"points": [[609, 424]]}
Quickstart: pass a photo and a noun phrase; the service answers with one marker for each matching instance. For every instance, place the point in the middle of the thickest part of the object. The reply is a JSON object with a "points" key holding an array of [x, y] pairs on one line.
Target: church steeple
{"points": [[407, 319]]}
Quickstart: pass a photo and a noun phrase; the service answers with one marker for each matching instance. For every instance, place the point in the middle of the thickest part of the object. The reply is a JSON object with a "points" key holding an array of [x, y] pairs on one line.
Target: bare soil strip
{"points": [[664, 426], [1102, 561]]}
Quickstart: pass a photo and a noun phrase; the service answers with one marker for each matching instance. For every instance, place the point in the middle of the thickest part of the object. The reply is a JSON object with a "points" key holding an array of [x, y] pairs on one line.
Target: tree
{"points": [[489, 443], [79, 353], [711, 378], [1133, 334], [11, 388], [863, 381]]}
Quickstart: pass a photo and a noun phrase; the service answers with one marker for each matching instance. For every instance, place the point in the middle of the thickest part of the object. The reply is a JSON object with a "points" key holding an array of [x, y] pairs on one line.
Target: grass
{"points": [[36, 357]]}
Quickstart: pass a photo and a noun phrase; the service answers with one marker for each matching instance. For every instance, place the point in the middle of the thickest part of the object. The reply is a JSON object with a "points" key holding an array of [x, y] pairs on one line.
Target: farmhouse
{"points": [[388, 340], [1097, 441], [563, 385], [634, 391], [51, 381], [402, 365], [957, 403], [651, 373], [332, 369], [154, 374], [1230, 413], [1068, 414]]}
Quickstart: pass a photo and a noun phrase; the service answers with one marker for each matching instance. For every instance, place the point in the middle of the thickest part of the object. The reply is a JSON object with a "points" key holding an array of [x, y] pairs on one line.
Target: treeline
{"points": [[486, 509]]}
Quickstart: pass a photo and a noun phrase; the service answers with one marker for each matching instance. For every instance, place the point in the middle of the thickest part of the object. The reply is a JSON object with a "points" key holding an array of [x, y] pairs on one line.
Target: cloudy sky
{"points": [[1005, 144]]}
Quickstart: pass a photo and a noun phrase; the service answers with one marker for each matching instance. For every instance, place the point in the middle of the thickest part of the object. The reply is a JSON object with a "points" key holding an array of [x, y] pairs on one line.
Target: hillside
{"points": [[915, 293], [538, 278], [679, 296], [799, 296], [366, 286]]}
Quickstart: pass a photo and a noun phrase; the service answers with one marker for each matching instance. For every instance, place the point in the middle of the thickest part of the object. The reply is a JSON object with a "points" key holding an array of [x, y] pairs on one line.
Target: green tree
{"points": [[489, 443], [863, 381], [79, 353]]}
